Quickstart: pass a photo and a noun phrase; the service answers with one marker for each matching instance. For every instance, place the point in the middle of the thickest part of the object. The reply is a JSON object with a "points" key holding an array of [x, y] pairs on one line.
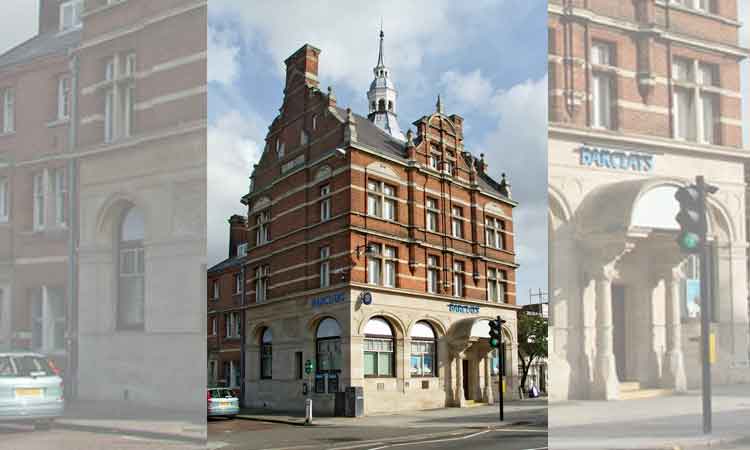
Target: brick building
{"points": [[35, 99], [643, 96], [379, 257], [102, 193], [226, 299]]}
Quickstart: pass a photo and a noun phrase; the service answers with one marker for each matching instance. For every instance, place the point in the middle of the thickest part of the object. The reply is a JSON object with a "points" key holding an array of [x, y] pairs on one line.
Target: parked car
{"points": [[222, 402], [31, 389]]}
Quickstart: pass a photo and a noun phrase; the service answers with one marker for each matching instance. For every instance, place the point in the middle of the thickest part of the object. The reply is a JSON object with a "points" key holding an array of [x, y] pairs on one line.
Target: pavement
{"points": [[122, 418], [671, 423]]}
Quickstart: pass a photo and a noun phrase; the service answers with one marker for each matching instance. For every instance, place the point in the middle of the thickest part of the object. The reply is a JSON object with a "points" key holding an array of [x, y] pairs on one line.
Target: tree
{"points": [[532, 341]]}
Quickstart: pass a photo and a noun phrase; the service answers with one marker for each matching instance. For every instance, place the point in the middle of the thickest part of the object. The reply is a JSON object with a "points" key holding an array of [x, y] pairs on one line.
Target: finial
{"points": [[439, 105], [349, 115], [481, 155], [330, 93], [380, 52]]}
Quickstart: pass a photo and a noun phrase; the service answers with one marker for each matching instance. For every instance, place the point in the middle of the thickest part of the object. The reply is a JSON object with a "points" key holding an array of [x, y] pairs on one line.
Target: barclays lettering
{"points": [[331, 299], [463, 309], [616, 159]]}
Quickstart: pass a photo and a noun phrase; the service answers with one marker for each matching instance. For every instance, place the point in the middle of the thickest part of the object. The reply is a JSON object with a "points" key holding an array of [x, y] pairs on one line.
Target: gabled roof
{"points": [[370, 135], [39, 46]]}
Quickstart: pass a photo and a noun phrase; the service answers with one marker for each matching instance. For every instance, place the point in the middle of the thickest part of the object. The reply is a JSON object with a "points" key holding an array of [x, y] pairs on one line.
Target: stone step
{"points": [[470, 403], [645, 393], [630, 386]]}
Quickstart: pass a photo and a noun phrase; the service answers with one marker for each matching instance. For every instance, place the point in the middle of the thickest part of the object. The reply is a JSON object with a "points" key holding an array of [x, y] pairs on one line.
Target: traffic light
{"points": [[308, 367], [691, 218], [495, 333]]}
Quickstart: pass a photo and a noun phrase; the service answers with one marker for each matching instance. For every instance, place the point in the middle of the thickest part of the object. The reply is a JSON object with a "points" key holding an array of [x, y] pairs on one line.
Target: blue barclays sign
{"points": [[330, 299], [463, 309], [616, 159]]}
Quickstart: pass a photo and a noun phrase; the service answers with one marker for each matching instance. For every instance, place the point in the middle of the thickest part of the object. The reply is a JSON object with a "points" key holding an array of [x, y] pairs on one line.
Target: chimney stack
{"points": [[237, 233], [302, 68]]}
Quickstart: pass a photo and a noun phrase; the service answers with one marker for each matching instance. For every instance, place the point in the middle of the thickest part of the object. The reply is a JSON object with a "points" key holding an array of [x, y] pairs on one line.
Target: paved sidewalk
{"points": [[519, 411], [657, 423], [121, 418]]}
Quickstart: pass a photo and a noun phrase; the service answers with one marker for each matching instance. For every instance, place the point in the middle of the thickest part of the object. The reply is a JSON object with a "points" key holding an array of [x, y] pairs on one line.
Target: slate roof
{"points": [[226, 264], [39, 46], [369, 134]]}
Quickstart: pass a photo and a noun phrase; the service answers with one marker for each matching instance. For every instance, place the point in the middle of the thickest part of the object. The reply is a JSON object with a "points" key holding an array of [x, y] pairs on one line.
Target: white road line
{"points": [[432, 441]]}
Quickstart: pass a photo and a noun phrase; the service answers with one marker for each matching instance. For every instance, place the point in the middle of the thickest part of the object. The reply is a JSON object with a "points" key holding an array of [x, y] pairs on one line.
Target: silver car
{"points": [[31, 389], [222, 402]]}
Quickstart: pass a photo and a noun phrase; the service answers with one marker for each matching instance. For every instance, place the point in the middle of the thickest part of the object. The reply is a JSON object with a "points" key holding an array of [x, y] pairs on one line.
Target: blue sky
{"points": [[486, 59]]}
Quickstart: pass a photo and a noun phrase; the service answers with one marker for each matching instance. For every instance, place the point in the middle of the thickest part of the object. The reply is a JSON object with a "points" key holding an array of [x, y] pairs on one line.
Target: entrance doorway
{"points": [[619, 332], [465, 369]]}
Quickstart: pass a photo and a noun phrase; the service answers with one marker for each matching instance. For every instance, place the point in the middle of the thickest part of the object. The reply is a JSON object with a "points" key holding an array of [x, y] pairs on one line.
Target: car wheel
{"points": [[42, 425]]}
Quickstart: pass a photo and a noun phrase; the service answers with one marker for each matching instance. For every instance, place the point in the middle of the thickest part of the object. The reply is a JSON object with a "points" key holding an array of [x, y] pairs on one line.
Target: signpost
{"points": [[693, 239], [496, 341]]}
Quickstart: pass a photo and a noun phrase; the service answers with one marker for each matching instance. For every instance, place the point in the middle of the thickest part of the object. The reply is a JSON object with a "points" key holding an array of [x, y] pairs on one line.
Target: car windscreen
{"points": [[25, 366], [221, 393]]}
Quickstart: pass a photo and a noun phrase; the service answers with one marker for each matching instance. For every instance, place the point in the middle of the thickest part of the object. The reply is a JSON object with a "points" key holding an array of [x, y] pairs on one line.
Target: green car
{"points": [[31, 389]]}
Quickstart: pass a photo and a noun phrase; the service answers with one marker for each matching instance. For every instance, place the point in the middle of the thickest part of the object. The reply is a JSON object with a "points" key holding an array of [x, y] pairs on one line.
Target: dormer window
{"points": [[70, 14]]}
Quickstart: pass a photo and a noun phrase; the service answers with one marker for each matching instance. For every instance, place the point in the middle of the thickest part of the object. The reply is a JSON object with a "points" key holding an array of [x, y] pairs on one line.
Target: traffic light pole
{"points": [[500, 370], [705, 269]]}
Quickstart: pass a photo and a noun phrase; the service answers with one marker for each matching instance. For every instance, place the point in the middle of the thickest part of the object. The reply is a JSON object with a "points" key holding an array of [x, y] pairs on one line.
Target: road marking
{"points": [[432, 441]]}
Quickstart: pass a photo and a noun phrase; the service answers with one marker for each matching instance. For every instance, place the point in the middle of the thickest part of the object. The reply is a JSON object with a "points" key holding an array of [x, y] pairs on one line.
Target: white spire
{"points": [[381, 97]]}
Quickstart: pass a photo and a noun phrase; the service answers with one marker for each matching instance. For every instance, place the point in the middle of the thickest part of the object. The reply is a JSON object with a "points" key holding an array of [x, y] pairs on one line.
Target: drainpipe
{"points": [[71, 322], [243, 274]]}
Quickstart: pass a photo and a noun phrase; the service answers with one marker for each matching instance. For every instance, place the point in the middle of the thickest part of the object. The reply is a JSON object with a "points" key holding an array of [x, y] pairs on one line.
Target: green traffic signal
{"points": [[689, 241], [495, 343]]}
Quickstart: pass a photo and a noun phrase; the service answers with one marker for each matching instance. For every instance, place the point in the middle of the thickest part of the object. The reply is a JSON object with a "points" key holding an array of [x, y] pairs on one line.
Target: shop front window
{"points": [[328, 356], [379, 347], [423, 350]]}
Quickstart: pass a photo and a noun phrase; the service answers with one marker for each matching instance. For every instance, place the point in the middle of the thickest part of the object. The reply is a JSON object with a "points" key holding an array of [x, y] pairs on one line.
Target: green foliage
{"points": [[532, 341]]}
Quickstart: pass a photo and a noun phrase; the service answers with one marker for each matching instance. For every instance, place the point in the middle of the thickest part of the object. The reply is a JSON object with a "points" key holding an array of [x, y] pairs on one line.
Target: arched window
{"points": [[390, 105], [131, 270], [379, 348], [381, 105], [423, 347], [266, 355], [328, 356], [373, 105]]}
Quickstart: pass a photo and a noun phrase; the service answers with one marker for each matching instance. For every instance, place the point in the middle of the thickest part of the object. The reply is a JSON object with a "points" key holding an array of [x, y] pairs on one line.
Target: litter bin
{"points": [[339, 407], [354, 398]]}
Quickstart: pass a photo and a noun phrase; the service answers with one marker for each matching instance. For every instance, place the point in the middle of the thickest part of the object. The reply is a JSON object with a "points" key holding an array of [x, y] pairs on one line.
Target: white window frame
{"points": [[215, 287], [433, 274], [432, 214], [457, 222], [692, 78], [382, 200], [63, 97], [280, 149], [459, 287], [9, 110], [74, 7], [374, 265], [261, 284], [237, 282], [39, 191], [325, 203], [496, 285], [390, 266], [47, 322], [262, 222], [242, 250], [109, 115], [325, 267], [61, 194], [4, 199], [495, 232]]}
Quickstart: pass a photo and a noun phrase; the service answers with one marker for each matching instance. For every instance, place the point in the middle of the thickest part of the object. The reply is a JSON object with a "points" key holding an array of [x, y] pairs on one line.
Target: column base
{"points": [[674, 371], [559, 380], [606, 385], [488, 395], [652, 373], [461, 400]]}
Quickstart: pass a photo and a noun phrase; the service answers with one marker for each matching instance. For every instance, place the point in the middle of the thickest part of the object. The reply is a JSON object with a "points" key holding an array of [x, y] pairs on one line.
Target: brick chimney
{"points": [[49, 15], [237, 233], [302, 68]]}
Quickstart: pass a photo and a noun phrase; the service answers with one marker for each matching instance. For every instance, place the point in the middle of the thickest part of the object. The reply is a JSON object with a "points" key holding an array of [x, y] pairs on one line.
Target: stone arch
{"points": [[442, 119], [257, 332], [111, 213], [312, 323], [558, 205], [323, 172], [437, 325], [396, 323], [383, 169], [261, 203]]}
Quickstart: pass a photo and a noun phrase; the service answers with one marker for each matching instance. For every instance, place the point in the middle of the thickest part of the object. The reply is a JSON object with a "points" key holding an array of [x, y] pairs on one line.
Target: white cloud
{"points": [[235, 143], [469, 90], [222, 54], [348, 37], [19, 22]]}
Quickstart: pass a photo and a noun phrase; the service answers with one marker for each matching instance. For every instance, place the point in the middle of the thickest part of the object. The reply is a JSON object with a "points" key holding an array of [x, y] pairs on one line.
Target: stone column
{"points": [[488, 394], [606, 385], [674, 363]]}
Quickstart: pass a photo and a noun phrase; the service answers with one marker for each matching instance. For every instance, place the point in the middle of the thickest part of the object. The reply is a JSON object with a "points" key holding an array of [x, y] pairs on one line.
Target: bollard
{"points": [[308, 411]]}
